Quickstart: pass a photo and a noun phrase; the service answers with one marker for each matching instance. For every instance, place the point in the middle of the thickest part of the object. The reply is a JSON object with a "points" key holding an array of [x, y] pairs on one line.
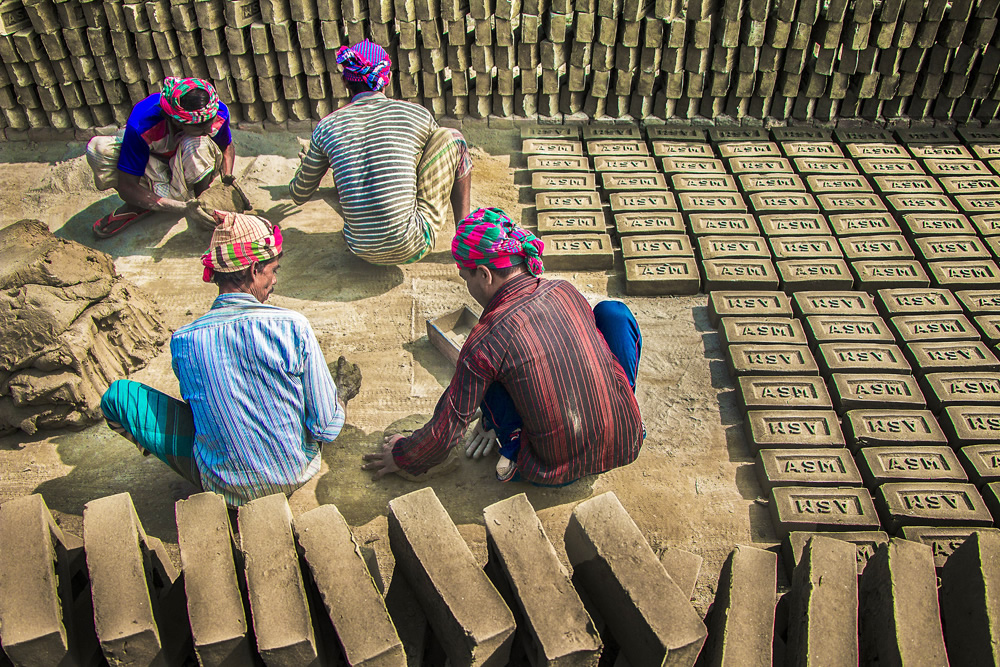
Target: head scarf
{"points": [[238, 241], [488, 237], [175, 88], [365, 61]]}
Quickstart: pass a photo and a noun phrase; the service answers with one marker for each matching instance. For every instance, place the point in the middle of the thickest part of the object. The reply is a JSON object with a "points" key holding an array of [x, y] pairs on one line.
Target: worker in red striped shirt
{"points": [[553, 378]]}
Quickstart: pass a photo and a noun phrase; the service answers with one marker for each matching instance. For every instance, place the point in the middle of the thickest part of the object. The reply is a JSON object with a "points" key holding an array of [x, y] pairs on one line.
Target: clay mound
{"points": [[69, 326], [222, 197]]}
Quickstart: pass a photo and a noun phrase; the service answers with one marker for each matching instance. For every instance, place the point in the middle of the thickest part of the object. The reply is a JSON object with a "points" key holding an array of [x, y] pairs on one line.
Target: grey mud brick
{"points": [[741, 624], [704, 182], [749, 330], [731, 247], [578, 252], [694, 165], [823, 165], [971, 424], [747, 302], [810, 508], [675, 132], [890, 166], [975, 204], [920, 203], [683, 567], [733, 133], [928, 327], [662, 276], [855, 357], [961, 388], [699, 202], [993, 245], [814, 274], [988, 224], [970, 600], [906, 301], [956, 167], [783, 202], [937, 224], [771, 360], [550, 132], [655, 222], [853, 391], [826, 302], [642, 201], [137, 622], [876, 246], [991, 495], [931, 504], [558, 163], [769, 392], [909, 463], [546, 180], [611, 132], [980, 301], [970, 185], [872, 275], [730, 274], [878, 150], [279, 607], [811, 149], [943, 540], [612, 182], [823, 184], [989, 326], [215, 601], [723, 223], [355, 606], [899, 619], [864, 541], [785, 224], [959, 274], [850, 202], [805, 247], [848, 328], [749, 149], [645, 610], [644, 246], [982, 462], [682, 149], [939, 152], [806, 467], [891, 427], [469, 618], [616, 147], [624, 164], [784, 429], [907, 185], [757, 165], [823, 610], [556, 627], [42, 622], [855, 224], [553, 222], [801, 133], [951, 356], [552, 147], [772, 183], [581, 200]]}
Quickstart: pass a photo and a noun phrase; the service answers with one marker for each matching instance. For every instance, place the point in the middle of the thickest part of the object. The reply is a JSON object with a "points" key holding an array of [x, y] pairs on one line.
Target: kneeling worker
{"points": [[259, 397], [554, 379]]}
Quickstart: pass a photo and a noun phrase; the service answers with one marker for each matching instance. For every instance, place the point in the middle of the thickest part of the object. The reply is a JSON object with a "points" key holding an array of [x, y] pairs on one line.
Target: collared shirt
{"points": [[373, 146], [261, 394], [538, 339]]}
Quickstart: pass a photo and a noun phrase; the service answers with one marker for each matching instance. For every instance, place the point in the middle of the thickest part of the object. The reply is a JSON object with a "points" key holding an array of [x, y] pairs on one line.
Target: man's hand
{"points": [[381, 461], [197, 214], [480, 441], [230, 180], [347, 377]]}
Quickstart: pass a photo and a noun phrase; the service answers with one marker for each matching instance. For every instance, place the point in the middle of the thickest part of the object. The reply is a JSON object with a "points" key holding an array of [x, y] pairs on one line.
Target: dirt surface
{"points": [[692, 487]]}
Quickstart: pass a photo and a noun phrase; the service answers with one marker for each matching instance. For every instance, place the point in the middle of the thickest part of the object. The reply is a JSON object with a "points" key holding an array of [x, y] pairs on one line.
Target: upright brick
{"points": [[646, 612], [865, 541], [970, 601]]}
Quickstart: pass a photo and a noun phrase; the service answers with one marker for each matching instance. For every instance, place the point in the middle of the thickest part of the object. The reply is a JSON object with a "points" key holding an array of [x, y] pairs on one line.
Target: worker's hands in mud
{"points": [[197, 214], [229, 179], [480, 441], [347, 377], [382, 462]]}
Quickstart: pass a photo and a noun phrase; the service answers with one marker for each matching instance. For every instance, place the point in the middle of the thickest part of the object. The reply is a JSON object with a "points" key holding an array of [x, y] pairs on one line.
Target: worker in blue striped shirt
{"points": [[259, 399]]}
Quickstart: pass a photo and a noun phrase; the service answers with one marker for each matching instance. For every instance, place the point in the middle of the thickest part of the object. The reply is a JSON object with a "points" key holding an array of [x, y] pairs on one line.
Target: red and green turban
{"points": [[488, 237], [174, 88], [238, 241]]}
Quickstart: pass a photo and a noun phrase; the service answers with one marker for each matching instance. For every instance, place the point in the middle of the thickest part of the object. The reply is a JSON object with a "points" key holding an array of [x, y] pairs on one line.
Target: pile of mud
{"points": [[69, 326]]}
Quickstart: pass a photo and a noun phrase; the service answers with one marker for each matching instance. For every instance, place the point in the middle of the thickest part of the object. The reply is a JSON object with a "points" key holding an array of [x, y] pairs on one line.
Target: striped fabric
{"points": [[537, 338], [375, 147], [261, 395]]}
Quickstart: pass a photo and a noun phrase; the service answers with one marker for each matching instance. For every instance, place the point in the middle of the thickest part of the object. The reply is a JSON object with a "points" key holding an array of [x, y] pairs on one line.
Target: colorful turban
{"points": [[488, 237], [365, 61], [238, 241], [175, 88]]}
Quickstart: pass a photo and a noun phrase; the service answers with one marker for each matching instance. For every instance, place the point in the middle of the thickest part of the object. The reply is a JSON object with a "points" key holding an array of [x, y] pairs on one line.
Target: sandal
{"points": [[113, 223]]}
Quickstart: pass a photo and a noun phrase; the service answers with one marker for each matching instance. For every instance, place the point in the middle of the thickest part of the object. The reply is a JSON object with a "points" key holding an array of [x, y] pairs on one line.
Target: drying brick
{"points": [[931, 504], [783, 202], [957, 167], [654, 222], [583, 252], [853, 391], [581, 200], [642, 201], [772, 360], [821, 184], [974, 185], [662, 276], [961, 388], [821, 508], [732, 247], [785, 224], [616, 147], [865, 541], [929, 327], [683, 568], [875, 274], [943, 540], [656, 245], [771, 183], [982, 462], [832, 303], [971, 424], [876, 247], [898, 167], [550, 132], [891, 427], [678, 165], [958, 274], [755, 303], [980, 302], [814, 274], [556, 163], [753, 165], [766, 392], [750, 330], [906, 301], [723, 223], [948, 356], [806, 467], [937, 224], [612, 182], [850, 224], [542, 180], [907, 185], [729, 274], [847, 328], [583, 221], [782, 429], [551, 147], [909, 463], [749, 149], [641, 164], [970, 606], [682, 149], [988, 224]]}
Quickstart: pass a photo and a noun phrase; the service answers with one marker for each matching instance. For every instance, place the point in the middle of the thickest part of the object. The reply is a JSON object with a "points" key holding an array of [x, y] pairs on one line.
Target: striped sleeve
{"points": [[314, 166]]}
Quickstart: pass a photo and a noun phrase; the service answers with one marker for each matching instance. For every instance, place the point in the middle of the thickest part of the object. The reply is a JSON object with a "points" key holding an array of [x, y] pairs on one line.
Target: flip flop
{"points": [[113, 223]]}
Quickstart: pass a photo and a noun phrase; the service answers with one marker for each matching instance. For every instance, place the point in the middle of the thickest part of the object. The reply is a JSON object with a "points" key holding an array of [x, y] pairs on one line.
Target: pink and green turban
{"points": [[175, 88], [238, 241], [488, 237], [365, 61]]}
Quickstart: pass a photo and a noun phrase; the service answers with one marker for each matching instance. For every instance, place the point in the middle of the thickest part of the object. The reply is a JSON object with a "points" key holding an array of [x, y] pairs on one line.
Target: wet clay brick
{"points": [[956, 274], [943, 540], [805, 247], [679, 165], [991, 495], [578, 252], [855, 357], [980, 136], [939, 224], [772, 360], [876, 150], [931, 504], [545, 180], [822, 184], [771, 183], [971, 424], [905, 301], [852, 391], [988, 224], [616, 147], [697, 202], [928, 327], [645, 223], [469, 618], [784, 429], [785, 224], [986, 151], [852, 224], [934, 151], [948, 356], [728, 274], [909, 463], [723, 223], [642, 201], [970, 601], [550, 222], [749, 149], [823, 609], [970, 185], [624, 164], [957, 167], [961, 388], [611, 132], [674, 132], [612, 182], [729, 134], [682, 149], [982, 463], [747, 302], [899, 620], [557, 163], [863, 134], [907, 185], [749, 330], [656, 245], [550, 132], [979, 301], [704, 183], [898, 167], [865, 541], [662, 276], [848, 328], [814, 274], [878, 247], [559, 628], [920, 203], [801, 133], [977, 203], [756, 165], [806, 467], [783, 202], [811, 149], [891, 427], [645, 610], [821, 165], [808, 508], [850, 202], [551, 147], [568, 201], [683, 568], [827, 302], [722, 247], [872, 275], [741, 625], [989, 326], [938, 248], [796, 391]]}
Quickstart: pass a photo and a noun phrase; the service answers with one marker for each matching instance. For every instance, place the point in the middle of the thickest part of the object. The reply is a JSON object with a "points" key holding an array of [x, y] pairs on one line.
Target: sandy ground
{"points": [[692, 487]]}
